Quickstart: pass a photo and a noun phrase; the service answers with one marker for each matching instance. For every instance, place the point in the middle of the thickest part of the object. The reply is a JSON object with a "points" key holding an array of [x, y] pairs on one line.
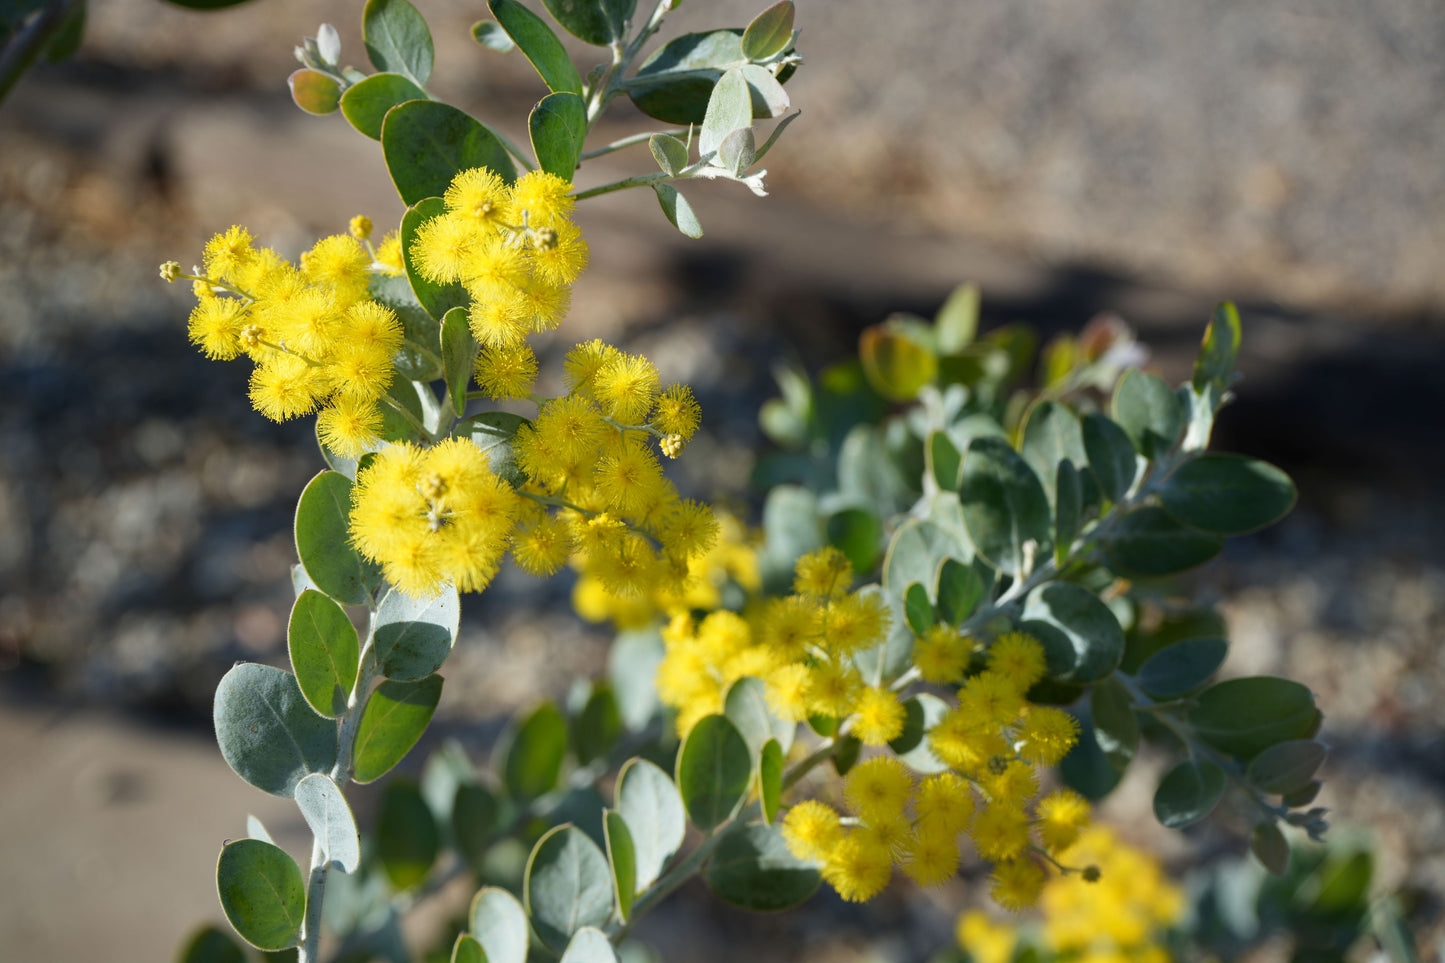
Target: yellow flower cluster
{"points": [[1117, 913], [317, 340]]}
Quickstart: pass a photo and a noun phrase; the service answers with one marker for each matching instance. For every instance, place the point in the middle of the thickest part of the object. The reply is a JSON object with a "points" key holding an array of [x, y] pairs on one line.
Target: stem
{"points": [[310, 946], [640, 180], [629, 142]]}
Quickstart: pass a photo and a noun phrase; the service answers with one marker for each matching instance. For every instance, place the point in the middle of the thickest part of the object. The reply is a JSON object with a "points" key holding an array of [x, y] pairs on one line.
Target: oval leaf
{"points": [[1111, 455], [1243, 717], [1179, 669], [669, 152], [474, 816], [746, 706], [211, 944], [467, 950], [1188, 793], [1286, 767], [436, 299], [1052, 435], [1068, 509], [770, 779], [914, 555], [959, 591], [459, 351], [753, 868], [922, 713], [598, 726], [1270, 847], [858, 534], [558, 125], [945, 460], [678, 210], [262, 893], [314, 91], [1228, 494], [395, 717], [533, 762], [1004, 506], [366, 102], [675, 83], [407, 837], [1115, 727], [917, 609], [1081, 637], [1148, 542], [267, 732], [329, 817], [539, 45], [622, 857], [323, 541], [770, 32], [598, 22], [589, 945], [897, 357], [414, 636], [426, 143], [729, 107], [1219, 348], [568, 885], [397, 39], [649, 802], [325, 652], [492, 36], [714, 768], [1148, 410], [499, 923]]}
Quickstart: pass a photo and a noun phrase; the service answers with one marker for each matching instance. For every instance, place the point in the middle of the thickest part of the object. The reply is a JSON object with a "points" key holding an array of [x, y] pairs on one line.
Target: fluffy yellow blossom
{"points": [[985, 940], [811, 830], [878, 716], [858, 867], [880, 786]]}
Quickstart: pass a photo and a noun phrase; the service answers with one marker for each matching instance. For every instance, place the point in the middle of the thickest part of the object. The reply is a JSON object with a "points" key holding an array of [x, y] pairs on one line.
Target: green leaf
{"points": [[1004, 506], [397, 39], [753, 868], [959, 591], [915, 553], [1148, 411], [589, 945], [533, 761], [467, 950], [314, 91], [770, 33], [1179, 669], [407, 838], [459, 350], [416, 359], [323, 541], [631, 667], [898, 356], [1269, 846], [858, 534], [1086, 770], [495, 432], [1285, 767], [956, 323], [598, 726], [917, 609], [746, 706], [366, 102], [737, 151], [650, 803], [849, 748], [1148, 542], [499, 923], [922, 712], [539, 45], [211, 944], [675, 83], [766, 96], [267, 732], [395, 717], [1115, 728], [329, 818], [1188, 793], [436, 299], [678, 211], [1110, 454], [414, 636], [945, 459], [622, 857], [714, 768], [729, 107], [474, 816], [1081, 637], [325, 652], [568, 885], [492, 36], [1068, 509], [669, 152], [598, 22], [1227, 494], [426, 143], [558, 125], [1219, 349], [1052, 436], [770, 779], [262, 893], [1243, 717], [892, 655]]}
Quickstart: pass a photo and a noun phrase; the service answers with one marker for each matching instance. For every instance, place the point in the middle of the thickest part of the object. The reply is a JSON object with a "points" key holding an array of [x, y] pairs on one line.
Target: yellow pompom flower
{"points": [[495, 268], [811, 829], [227, 254], [1015, 783], [478, 197], [677, 412], [824, 573], [349, 427], [962, 744], [443, 248], [946, 800], [506, 372], [832, 688], [1017, 657], [582, 364], [878, 787], [338, 262], [541, 305], [542, 547], [629, 479], [791, 626], [498, 323], [878, 716], [389, 256], [373, 325], [1046, 735], [787, 691], [562, 257], [215, 327], [931, 855], [1062, 815], [855, 622], [942, 655], [360, 372], [544, 198], [1017, 883], [858, 867], [688, 529], [627, 566], [624, 386], [985, 940], [284, 387], [990, 700], [1000, 832]]}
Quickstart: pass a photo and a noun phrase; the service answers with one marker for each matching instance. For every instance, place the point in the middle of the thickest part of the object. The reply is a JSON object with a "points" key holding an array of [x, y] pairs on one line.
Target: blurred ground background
{"points": [[1072, 156]]}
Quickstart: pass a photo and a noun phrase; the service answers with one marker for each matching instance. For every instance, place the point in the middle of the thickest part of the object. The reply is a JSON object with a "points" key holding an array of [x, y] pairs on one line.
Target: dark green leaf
{"points": [[474, 815], [598, 22], [262, 893], [1219, 349], [678, 210], [770, 779], [1115, 727], [1148, 410], [1270, 848], [959, 591], [650, 803], [407, 838], [558, 124], [1081, 637], [1085, 769], [397, 39], [917, 609], [1243, 717], [467, 950], [459, 350], [568, 885], [747, 708], [1181, 668], [1227, 494], [500, 924], [714, 768], [426, 143], [395, 717], [1285, 767], [669, 152], [540, 45], [598, 726], [1004, 506], [416, 360], [267, 732], [589, 945], [323, 540], [1304, 795], [858, 534], [770, 33], [325, 652], [622, 857], [753, 868], [366, 102], [436, 299], [1110, 454], [849, 748], [1052, 436], [1344, 883], [922, 713], [675, 83], [314, 91], [329, 818], [492, 36], [533, 762], [1068, 508], [494, 432], [946, 461], [210, 944], [1188, 793], [414, 636], [1148, 542]]}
